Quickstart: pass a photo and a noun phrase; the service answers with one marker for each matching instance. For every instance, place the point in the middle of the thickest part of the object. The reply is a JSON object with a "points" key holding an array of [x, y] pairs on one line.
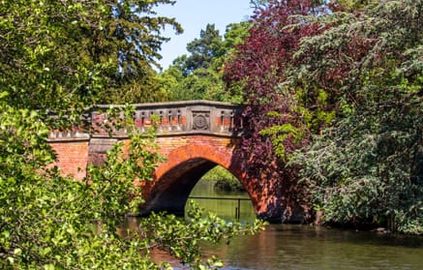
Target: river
{"points": [[307, 247]]}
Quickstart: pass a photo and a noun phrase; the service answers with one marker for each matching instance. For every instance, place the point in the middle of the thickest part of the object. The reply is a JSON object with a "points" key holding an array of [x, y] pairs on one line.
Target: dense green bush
{"points": [[223, 180], [368, 167]]}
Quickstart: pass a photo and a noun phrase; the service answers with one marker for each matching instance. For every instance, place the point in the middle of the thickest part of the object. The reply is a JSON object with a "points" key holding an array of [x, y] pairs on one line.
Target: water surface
{"points": [[308, 247]]}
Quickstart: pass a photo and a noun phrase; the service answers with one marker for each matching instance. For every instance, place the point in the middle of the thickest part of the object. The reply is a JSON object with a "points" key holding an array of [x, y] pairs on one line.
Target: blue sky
{"points": [[194, 16]]}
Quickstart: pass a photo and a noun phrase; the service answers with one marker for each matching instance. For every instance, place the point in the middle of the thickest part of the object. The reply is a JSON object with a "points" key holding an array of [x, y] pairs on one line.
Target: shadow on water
{"points": [[307, 247], [301, 246]]}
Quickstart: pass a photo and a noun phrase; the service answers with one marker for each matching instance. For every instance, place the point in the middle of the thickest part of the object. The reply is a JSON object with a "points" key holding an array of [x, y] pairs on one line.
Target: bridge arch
{"points": [[184, 167], [194, 136]]}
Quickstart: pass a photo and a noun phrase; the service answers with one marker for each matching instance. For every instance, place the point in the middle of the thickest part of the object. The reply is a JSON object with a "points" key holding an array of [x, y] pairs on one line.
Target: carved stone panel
{"points": [[198, 116], [201, 120]]}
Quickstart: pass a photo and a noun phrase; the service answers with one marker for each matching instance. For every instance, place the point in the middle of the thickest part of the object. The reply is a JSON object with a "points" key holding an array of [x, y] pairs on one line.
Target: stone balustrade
{"points": [[197, 117]]}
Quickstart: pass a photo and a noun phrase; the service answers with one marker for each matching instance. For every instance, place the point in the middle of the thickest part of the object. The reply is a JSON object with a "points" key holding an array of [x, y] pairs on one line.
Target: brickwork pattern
{"points": [[193, 137], [72, 158]]}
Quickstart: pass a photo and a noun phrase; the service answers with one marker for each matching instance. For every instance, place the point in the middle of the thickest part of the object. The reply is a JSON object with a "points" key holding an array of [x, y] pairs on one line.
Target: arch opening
{"points": [[220, 192], [172, 190]]}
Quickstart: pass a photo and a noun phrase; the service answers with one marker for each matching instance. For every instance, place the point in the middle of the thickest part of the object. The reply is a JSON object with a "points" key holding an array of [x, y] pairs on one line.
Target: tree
{"points": [[59, 56], [351, 5], [202, 50], [367, 168], [343, 87], [274, 123], [256, 4], [199, 74], [148, 87], [56, 59]]}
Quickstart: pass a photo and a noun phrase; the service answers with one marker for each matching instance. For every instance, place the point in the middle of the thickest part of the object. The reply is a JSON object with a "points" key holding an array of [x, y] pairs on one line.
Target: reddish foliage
{"points": [[261, 64], [335, 65]]}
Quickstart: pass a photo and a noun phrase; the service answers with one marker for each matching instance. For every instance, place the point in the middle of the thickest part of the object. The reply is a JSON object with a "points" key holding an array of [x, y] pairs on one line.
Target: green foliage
{"points": [[353, 5], [148, 87], [182, 239], [56, 58], [217, 173], [200, 84], [60, 56], [367, 168], [199, 74], [52, 222], [361, 171], [224, 180], [280, 133], [202, 50], [349, 72]]}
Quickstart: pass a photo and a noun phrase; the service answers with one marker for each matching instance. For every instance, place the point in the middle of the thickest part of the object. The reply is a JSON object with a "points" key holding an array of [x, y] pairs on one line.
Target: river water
{"points": [[307, 247]]}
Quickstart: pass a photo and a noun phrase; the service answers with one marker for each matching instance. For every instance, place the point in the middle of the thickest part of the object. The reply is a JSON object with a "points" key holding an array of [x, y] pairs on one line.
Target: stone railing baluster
{"points": [[174, 118]]}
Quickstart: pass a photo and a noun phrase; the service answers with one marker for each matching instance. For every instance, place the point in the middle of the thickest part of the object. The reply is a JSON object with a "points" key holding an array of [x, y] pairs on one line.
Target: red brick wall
{"points": [[184, 155], [221, 145], [222, 151], [72, 158], [177, 150]]}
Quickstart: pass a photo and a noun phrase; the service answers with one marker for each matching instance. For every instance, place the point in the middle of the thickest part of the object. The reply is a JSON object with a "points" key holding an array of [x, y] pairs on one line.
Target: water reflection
{"points": [[223, 208], [307, 247]]}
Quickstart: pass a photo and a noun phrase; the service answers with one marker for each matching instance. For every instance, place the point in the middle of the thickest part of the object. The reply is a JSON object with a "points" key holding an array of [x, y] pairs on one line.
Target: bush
{"points": [[224, 180]]}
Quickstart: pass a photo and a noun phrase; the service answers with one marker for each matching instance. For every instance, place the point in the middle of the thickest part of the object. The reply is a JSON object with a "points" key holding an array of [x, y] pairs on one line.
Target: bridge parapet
{"points": [[194, 136], [175, 118], [74, 134]]}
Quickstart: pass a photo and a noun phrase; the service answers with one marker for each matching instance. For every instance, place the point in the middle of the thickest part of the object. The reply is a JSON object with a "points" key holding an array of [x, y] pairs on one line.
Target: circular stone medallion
{"points": [[200, 122]]}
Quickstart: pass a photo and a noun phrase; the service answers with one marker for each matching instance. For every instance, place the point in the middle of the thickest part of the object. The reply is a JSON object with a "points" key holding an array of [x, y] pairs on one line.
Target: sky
{"points": [[194, 15]]}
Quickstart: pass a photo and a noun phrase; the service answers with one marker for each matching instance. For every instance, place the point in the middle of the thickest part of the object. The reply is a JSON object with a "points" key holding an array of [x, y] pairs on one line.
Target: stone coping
{"points": [[171, 104]]}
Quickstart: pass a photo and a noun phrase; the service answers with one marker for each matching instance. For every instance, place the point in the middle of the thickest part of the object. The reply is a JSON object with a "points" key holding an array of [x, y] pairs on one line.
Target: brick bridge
{"points": [[194, 136]]}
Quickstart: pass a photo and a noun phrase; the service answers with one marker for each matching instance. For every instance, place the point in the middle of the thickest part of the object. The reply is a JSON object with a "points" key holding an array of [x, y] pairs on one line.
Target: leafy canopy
{"points": [[60, 56], [56, 58], [367, 168]]}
